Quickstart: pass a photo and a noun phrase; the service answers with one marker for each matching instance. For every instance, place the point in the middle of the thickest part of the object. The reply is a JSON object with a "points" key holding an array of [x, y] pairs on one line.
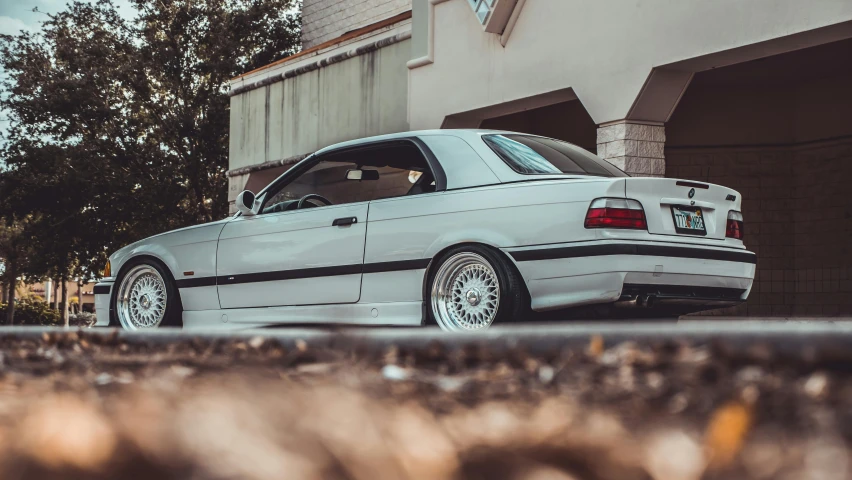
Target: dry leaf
{"points": [[726, 433], [596, 346]]}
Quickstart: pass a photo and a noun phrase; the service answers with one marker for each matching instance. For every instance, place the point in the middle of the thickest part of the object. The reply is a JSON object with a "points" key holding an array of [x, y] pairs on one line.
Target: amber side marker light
{"points": [[107, 270]]}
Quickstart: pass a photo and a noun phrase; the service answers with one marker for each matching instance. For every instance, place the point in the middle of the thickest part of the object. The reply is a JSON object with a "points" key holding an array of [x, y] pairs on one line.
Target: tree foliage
{"points": [[31, 311], [17, 255], [119, 128]]}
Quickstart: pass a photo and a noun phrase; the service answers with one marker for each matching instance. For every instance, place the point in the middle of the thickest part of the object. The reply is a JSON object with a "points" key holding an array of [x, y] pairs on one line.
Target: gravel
{"points": [[98, 406]]}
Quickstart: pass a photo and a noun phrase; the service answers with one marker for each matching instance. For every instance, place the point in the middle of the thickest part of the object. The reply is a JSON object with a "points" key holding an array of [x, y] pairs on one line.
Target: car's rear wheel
{"points": [[472, 288], [146, 298]]}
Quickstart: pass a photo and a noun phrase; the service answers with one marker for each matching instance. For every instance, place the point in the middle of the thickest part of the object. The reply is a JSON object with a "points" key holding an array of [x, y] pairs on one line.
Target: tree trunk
{"points": [[55, 296], [10, 307], [79, 296], [64, 304]]}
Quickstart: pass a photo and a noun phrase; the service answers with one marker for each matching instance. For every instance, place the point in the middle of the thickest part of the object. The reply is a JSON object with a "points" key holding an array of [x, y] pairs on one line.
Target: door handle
{"points": [[344, 222]]}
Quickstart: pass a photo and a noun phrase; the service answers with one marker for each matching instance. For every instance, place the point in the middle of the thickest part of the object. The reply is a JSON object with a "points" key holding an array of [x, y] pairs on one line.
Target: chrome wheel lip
{"points": [[460, 279], [141, 300]]}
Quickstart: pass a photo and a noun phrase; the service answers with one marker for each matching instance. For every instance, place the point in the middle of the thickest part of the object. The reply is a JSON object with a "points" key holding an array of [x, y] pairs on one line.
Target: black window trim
{"points": [[309, 162]]}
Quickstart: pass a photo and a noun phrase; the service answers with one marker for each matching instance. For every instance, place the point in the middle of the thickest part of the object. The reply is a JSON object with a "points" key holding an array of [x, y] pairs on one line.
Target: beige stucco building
{"points": [[752, 94]]}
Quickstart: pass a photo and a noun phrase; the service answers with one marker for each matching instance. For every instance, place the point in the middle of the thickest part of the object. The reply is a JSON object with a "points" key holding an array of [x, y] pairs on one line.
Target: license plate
{"points": [[689, 220]]}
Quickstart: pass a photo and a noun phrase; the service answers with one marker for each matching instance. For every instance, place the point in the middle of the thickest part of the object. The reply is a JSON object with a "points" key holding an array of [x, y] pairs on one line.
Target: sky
{"points": [[17, 15]]}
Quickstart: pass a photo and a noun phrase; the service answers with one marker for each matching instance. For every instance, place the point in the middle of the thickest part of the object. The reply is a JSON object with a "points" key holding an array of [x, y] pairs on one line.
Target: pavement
{"points": [[792, 333], [697, 398]]}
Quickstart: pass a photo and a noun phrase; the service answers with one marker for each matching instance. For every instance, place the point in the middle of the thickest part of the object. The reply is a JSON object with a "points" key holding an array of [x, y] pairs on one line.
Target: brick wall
{"points": [[324, 20], [798, 220]]}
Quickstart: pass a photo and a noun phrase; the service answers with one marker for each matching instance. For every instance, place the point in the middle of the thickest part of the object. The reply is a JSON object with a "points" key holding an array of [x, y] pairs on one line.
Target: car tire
{"points": [[472, 287], [150, 297]]}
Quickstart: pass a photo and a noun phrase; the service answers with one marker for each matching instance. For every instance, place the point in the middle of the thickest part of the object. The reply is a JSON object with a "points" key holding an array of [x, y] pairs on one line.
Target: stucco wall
{"points": [[603, 50], [359, 97], [324, 20]]}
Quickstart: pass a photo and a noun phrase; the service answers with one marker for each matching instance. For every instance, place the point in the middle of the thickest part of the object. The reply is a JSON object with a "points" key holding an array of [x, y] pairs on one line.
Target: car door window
{"points": [[361, 175]]}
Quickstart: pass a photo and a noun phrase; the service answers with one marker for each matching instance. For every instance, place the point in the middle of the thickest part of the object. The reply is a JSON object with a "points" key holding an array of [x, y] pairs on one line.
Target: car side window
{"points": [[357, 175]]}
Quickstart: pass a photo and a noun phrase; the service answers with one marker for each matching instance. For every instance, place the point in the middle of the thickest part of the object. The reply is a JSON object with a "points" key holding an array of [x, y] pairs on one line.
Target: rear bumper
{"points": [[568, 275], [675, 296], [103, 293]]}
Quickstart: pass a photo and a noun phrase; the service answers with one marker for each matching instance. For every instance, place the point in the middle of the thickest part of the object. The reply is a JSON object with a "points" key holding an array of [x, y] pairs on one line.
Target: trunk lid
{"points": [[673, 206]]}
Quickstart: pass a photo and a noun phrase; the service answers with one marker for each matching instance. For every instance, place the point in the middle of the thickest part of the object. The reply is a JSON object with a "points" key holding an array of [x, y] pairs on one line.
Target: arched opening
{"points": [[777, 129]]}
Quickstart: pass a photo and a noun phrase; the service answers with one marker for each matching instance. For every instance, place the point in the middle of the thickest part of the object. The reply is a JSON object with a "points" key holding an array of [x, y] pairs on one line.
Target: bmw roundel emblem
{"points": [[691, 192]]}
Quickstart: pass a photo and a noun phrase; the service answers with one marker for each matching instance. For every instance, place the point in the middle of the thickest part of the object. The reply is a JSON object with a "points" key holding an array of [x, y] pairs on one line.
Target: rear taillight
{"points": [[616, 213], [735, 227]]}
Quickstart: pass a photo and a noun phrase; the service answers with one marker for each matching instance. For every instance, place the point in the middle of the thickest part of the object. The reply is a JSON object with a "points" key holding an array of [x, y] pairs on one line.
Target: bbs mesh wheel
{"points": [[473, 287], [146, 297]]}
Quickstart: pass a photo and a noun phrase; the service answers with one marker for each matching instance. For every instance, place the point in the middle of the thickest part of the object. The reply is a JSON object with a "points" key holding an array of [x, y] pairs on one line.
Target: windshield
{"points": [[531, 155]]}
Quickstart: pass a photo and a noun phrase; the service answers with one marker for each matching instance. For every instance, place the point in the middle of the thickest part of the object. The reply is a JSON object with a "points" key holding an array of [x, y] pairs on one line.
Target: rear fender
{"points": [[486, 237]]}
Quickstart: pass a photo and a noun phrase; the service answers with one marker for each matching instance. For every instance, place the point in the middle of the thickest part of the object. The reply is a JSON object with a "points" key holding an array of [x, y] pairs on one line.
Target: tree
{"points": [[119, 128], [16, 255], [61, 229]]}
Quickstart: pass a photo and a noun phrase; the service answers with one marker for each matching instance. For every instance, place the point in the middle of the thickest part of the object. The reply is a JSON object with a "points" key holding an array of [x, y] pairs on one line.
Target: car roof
{"points": [[462, 132], [476, 166]]}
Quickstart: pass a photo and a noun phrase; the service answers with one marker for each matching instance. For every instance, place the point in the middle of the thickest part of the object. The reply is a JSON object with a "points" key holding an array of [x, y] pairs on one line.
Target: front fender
{"points": [[119, 260], [187, 253]]}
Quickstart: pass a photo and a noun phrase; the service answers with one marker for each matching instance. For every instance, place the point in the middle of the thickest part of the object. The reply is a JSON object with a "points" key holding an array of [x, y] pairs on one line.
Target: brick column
{"points": [[636, 148]]}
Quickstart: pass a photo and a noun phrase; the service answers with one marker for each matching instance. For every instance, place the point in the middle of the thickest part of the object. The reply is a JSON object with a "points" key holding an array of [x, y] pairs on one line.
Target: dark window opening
{"points": [[387, 171]]}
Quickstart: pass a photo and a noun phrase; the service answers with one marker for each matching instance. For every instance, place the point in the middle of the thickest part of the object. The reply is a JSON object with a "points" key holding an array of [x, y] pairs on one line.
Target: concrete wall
{"points": [[341, 100], [605, 51], [324, 20], [359, 97]]}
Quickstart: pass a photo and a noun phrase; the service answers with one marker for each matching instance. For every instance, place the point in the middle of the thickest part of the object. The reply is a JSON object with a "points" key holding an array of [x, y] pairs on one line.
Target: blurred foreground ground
{"points": [[100, 405]]}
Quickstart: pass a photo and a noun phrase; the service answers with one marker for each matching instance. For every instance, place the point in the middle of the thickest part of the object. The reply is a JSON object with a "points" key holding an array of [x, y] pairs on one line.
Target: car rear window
{"points": [[531, 155]]}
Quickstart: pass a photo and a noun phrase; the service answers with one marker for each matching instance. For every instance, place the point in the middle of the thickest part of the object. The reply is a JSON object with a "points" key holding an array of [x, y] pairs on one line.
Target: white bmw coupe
{"points": [[459, 228]]}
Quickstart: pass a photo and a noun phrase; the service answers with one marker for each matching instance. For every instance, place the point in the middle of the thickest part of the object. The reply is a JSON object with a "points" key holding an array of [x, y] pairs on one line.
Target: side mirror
{"points": [[245, 203]]}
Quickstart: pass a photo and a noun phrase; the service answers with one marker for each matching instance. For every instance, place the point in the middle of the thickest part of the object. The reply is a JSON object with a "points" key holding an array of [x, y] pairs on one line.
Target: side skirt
{"points": [[366, 314]]}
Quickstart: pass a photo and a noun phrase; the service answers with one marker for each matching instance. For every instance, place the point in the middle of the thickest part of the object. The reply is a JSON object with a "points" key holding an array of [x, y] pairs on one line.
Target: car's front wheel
{"points": [[146, 298], [472, 288]]}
